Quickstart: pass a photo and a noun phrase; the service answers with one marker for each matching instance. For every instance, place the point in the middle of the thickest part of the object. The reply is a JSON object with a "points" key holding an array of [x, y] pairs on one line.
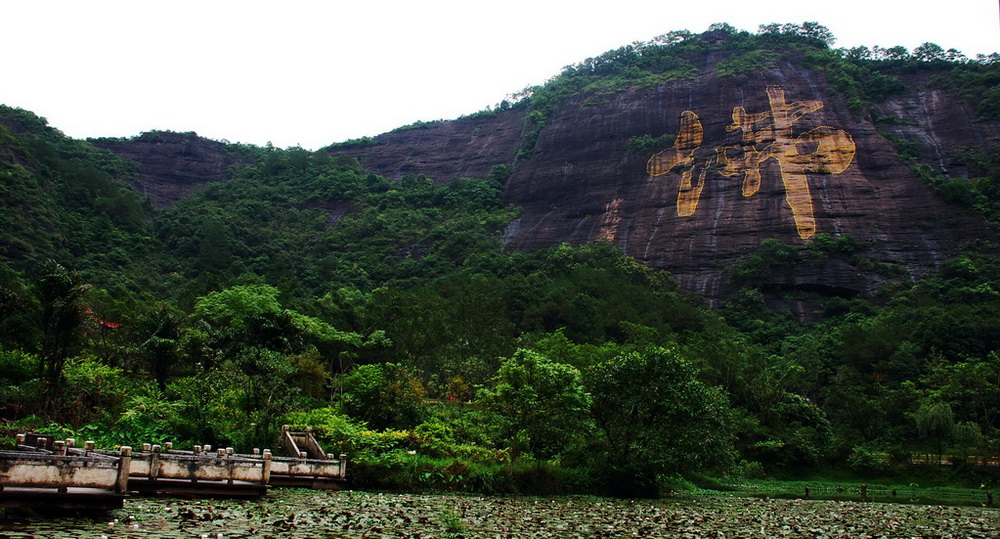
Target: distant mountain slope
{"points": [[822, 133], [64, 199], [688, 151], [173, 165]]}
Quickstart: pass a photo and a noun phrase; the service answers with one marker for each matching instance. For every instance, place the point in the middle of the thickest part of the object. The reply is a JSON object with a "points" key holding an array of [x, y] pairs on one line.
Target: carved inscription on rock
{"points": [[765, 135]]}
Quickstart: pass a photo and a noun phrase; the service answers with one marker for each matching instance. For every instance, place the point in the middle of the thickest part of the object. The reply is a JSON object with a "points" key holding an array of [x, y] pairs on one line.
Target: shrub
{"points": [[864, 459]]}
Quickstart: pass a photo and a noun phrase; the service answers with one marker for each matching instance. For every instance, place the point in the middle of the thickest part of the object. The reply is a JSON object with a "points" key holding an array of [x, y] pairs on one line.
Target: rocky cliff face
{"points": [[444, 151], [774, 155], [172, 166]]}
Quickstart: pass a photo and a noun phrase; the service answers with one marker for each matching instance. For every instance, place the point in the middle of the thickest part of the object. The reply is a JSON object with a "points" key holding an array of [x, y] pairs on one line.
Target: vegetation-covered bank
{"points": [[388, 316]]}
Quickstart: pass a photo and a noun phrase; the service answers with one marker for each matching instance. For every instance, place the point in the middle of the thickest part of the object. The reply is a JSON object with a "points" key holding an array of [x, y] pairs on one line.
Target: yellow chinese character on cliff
{"points": [[766, 135]]}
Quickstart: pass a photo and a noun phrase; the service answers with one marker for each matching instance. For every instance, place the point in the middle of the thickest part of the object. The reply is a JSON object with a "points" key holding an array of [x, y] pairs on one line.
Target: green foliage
{"points": [[533, 123], [935, 423], [971, 387], [306, 290], [826, 245], [744, 64], [60, 318], [352, 143], [656, 419], [242, 402], [384, 396], [63, 199], [541, 405], [146, 418], [17, 366], [238, 305], [771, 256], [989, 107], [795, 432], [647, 145]]}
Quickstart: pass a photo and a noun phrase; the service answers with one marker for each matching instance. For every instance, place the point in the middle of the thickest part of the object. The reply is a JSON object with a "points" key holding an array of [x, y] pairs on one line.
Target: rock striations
{"points": [[172, 166], [810, 154], [775, 154]]}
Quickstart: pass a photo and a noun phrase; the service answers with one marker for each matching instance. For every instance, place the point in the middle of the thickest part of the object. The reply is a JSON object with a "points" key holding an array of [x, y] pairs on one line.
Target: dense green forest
{"points": [[388, 316]]}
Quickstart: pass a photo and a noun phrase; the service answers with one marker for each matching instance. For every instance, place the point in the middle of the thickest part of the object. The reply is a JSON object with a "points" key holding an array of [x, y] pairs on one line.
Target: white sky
{"points": [[310, 72]]}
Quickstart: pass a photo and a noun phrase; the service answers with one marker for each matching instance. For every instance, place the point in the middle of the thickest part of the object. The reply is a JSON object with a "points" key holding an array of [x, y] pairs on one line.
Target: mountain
{"points": [[689, 151], [838, 207], [171, 165], [824, 166]]}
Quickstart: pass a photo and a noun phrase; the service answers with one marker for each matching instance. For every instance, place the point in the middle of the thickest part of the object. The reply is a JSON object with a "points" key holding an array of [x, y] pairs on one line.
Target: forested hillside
{"points": [[396, 317]]}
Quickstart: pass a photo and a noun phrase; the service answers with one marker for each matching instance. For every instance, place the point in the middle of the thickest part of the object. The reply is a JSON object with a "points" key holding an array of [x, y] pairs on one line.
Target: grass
{"points": [[452, 522]]}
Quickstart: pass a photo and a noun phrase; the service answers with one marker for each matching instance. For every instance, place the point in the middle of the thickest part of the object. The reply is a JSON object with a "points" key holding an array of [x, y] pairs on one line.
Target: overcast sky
{"points": [[312, 72]]}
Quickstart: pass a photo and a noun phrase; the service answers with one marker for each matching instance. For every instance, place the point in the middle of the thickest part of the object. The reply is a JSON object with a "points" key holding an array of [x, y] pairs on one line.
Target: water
{"points": [[307, 514]]}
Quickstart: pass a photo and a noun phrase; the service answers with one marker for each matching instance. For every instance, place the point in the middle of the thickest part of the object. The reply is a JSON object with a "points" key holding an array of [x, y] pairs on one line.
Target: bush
{"points": [[17, 367], [384, 396], [864, 459]]}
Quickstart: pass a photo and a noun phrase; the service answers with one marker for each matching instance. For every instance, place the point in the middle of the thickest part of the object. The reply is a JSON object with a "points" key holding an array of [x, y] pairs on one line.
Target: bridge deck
{"points": [[57, 474]]}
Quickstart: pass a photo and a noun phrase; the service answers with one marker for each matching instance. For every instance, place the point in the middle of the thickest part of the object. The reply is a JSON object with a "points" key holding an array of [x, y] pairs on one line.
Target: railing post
{"points": [[154, 463], [224, 458], [124, 464], [59, 448], [265, 476], [343, 465]]}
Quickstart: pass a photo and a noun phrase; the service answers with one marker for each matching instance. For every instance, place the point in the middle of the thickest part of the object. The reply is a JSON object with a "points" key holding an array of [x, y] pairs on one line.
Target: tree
{"points": [[859, 53], [817, 31], [971, 387], [897, 52], [723, 28], [657, 419], [157, 351], [540, 404], [213, 251], [16, 326], [387, 395], [248, 316], [238, 305], [929, 52], [935, 423], [265, 394], [62, 313]]}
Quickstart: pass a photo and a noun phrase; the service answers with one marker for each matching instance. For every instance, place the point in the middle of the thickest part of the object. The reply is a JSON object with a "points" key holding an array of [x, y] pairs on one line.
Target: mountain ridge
{"points": [[564, 153], [582, 184]]}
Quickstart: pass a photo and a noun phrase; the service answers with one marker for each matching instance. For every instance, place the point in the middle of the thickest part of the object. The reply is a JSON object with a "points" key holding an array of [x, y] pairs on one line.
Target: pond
{"points": [[304, 513]]}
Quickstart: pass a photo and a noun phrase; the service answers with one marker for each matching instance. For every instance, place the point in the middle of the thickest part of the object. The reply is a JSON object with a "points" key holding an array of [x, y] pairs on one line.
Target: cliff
{"points": [[172, 166], [771, 152], [775, 154]]}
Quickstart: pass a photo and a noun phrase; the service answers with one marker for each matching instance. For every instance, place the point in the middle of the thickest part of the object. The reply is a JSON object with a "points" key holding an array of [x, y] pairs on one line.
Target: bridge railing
{"points": [[23, 469], [152, 463]]}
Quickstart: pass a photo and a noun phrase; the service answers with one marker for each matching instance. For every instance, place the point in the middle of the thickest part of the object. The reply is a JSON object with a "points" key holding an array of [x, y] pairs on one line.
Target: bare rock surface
{"points": [[776, 154], [582, 184], [172, 166]]}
